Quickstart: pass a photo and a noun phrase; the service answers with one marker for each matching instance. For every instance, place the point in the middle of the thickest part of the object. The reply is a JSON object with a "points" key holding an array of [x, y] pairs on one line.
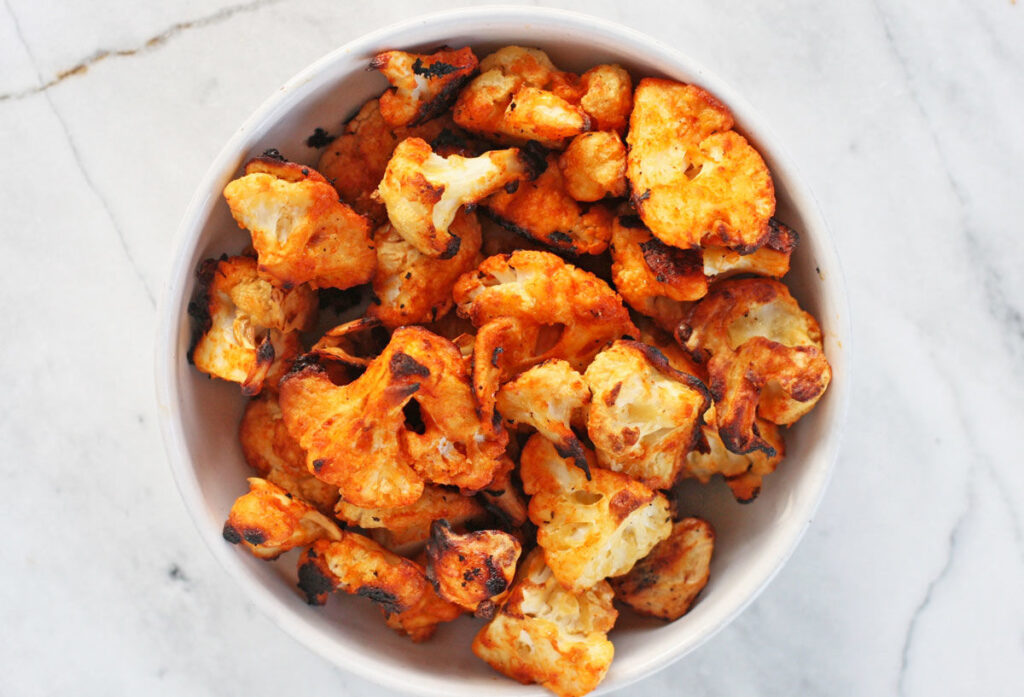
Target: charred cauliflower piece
{"points": [[743, 473], [412, 288], [607, 97], [764, 358], [770, 260], [505, 501], [357, 565], [473, 570], [589, 527], [402, 528], [362, 437], [594, 166], [422, 191], [355, 161], [270, 450], [270, 521], [550, 397], [542, 209], [422, 86], [645, 415], [694, 180], [521, 96], [246, 328], [653, 277], [300, 230], [667, 581], [354, 343], [545, 634]]}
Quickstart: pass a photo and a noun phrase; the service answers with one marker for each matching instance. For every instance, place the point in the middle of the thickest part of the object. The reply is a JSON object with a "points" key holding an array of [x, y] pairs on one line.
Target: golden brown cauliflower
{"points": [[270, 450], [694, 180], [412, 288], [743, 473], [550, 397], [402, 528], [422, 190], [589, 527], [246, 329], [473, 570], [607, 97], [653, 277], [356, 564], [545, 634], [355, 161], [300, 230], [764, 357], [423, 86], [594, 166], [667, 581], [270, 521], [542, 209], [645, 416], [770, 260], [367, 438]]}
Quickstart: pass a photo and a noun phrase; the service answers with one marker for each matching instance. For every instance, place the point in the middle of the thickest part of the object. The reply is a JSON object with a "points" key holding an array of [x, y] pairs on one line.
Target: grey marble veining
{"points": [[904, 117]]}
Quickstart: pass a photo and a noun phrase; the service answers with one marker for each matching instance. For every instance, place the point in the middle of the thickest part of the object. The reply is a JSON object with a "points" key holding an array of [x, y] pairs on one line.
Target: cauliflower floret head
{"points": [[473, 570], [694, 180], [770, 260], [423, 86], [545, 634], [594, 166], [607, 97], [270, 521], [399, 587], [589, 528], [300, 230], [764, 357], [422, 191], [246, 329], [667, 581], [645, 416]]}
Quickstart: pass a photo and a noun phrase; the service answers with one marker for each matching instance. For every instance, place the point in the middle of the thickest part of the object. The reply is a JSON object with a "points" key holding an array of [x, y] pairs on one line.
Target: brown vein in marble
{"points": [[150, 44]]}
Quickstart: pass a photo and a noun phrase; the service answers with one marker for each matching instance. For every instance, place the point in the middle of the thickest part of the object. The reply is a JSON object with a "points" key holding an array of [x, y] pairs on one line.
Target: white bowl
{"points": [[199, 417]]}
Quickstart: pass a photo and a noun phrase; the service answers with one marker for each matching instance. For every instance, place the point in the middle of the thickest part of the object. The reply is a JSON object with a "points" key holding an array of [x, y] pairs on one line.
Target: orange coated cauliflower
{"points": [[607, 97], [423, 86], [594, 166], [473, 570], [772, 259]]}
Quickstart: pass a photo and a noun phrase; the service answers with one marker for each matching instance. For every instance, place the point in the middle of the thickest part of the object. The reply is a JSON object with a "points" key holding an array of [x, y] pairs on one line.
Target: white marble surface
{"points": [[904, 116]]}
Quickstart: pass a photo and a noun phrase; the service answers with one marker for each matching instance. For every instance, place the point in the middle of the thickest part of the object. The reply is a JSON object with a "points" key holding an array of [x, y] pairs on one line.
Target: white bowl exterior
{"points": [[753, 541]]}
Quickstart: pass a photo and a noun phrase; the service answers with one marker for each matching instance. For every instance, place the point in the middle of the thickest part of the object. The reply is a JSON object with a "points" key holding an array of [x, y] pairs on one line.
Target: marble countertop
{"points": [[904, 117]]}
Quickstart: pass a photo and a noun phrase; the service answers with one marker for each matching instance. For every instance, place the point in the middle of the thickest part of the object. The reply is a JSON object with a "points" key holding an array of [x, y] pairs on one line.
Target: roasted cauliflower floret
{"points": [[412, 288], [550, 397], [300, 230], [545, 634], [355, 161], [743, 473], [356, 564], [607, 97], [422, 86], [764, 358], [694, 180], [270, 450], [423, 191], [667, 581], [645, 415], [594, 166], [473, 570], [358, 438], [246, 329], [402, 528], [589, 527], [270, 521], [354, 343], [542, 209], [770, 260], [521, 96]]}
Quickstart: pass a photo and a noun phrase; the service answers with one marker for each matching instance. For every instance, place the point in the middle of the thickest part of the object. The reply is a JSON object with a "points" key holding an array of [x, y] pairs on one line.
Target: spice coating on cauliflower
{"points": [[645, 415], [770, 260], [667, 581], [473, 570], [422, 191], [764, 357], [694, 180], [594, 166], [545, 634], [591, 528], [270, 521], [399, 587], [246, 329], [423, 86], [607, 97]]}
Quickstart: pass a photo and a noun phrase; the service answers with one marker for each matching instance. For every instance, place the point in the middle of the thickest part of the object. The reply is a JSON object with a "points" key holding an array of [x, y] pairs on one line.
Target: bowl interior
{"points": [[201, 416]]}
